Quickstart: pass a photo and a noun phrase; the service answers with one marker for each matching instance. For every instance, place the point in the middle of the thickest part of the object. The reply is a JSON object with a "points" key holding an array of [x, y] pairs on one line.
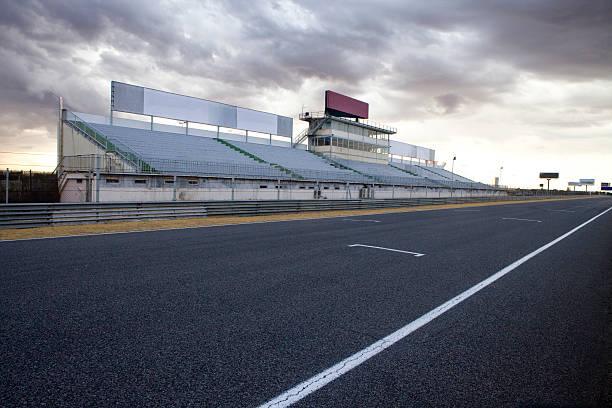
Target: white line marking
{"points": [[416, 254], [570, 211], [361, 220], [325, 377], [521, 219]]}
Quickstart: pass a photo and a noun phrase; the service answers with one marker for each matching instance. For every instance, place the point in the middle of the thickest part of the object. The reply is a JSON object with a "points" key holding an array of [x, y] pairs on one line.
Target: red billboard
{"points": [[344, 106]]}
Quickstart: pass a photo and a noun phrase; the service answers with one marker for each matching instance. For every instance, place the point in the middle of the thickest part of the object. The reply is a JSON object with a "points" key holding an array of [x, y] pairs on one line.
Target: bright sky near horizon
{"points": [[523, 85]]}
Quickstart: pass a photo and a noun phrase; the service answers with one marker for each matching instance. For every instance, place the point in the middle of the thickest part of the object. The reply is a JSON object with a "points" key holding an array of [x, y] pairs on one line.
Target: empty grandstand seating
{"points": [[302, 162], [171, 152], [168, 152], [386, 174]]}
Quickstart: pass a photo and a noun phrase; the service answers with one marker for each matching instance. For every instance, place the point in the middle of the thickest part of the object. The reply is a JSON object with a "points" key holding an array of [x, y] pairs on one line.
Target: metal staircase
{"points": [[308, 132]]}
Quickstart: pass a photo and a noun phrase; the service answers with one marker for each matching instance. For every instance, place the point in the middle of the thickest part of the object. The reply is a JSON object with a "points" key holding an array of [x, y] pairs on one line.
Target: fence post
{"points": [[97, 178], [7, 185], [174, 189]]}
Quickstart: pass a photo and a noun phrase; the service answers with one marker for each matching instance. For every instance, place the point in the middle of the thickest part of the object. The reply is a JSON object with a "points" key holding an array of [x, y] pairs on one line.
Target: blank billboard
{"points": [[151, 102], [344, 106], [573, 183], [409, 150], [549, 175], [587, 182]]}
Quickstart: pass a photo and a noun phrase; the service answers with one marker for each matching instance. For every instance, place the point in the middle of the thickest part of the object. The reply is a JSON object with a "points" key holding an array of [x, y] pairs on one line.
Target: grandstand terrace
{"points": [[241, 155]]}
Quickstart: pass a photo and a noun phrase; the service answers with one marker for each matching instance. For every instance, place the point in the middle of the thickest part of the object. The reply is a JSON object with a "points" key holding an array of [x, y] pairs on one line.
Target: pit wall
{"points": [[118, 187]]}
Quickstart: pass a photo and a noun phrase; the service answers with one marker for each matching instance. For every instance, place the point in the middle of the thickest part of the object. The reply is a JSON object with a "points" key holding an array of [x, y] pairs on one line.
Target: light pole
{"points": [[453, 167], [500, 173]]}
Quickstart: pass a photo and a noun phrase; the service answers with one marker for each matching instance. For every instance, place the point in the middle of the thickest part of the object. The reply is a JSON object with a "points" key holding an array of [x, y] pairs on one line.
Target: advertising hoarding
{"points": [[152, 102], [410, 150], [549, 175], [573, 183], [587, 182], [605, 184], [344, 106]]}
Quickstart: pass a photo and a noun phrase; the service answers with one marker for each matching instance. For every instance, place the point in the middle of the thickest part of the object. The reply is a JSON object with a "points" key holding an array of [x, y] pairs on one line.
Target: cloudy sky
{"points": [[526, 85]]}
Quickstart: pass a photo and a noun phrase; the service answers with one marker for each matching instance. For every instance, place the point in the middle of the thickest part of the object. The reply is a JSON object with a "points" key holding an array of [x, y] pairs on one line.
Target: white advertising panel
{"points": [[574, 183], [409, 150], [152, 102], [587, 182], [251, 120]]}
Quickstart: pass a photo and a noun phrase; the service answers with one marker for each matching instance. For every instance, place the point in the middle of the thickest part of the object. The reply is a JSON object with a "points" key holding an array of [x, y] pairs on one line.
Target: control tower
{"points": [[342, 131]]}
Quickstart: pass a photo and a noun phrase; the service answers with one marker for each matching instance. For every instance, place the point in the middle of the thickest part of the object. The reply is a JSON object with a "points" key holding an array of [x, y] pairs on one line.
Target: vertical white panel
{"points": [[255, 120]]}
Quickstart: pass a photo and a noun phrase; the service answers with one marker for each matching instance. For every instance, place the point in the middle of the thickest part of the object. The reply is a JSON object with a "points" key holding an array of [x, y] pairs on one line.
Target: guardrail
{"points": [[37, 215]]}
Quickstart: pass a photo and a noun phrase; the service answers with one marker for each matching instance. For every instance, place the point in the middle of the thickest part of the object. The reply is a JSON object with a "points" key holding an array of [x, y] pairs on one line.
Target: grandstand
{"points": [[337, 157]]}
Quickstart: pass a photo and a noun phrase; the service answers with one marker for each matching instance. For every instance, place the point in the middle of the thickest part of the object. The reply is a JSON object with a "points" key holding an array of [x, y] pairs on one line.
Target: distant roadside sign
{"points": [[606, 188], [573, 183], [587, 182], [549, 175], [605, 184]]}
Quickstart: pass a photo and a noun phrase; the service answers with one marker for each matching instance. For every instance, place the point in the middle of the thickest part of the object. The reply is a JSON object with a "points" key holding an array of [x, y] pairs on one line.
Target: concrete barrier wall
{"points": [[85, 187]]}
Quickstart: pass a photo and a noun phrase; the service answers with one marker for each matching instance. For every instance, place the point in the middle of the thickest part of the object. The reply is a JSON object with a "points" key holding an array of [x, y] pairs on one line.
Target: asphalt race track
{"points": [[235, 316]]}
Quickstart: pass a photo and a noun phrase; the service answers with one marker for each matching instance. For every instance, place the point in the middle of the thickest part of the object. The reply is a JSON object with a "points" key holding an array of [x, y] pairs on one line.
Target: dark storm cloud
{"points": [[438, 56]]}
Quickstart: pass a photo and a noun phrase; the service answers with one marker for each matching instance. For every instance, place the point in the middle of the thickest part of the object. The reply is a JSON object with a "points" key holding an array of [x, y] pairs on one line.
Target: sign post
{"points": [[549, 176], [586, 183]]}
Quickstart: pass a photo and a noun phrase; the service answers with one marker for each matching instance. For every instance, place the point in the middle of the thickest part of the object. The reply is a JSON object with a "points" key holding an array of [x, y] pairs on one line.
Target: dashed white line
{"points": [[521, 219], [309, 386], [349, 219], [569, 211], [416, 254]]}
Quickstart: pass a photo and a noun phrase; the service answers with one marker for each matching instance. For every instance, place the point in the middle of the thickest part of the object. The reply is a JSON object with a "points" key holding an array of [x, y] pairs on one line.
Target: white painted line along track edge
{"points": [[312, 384]]}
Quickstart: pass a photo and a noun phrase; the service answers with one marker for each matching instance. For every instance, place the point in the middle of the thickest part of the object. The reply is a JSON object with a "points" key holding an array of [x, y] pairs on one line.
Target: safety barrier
{"points": [[36, 215]]}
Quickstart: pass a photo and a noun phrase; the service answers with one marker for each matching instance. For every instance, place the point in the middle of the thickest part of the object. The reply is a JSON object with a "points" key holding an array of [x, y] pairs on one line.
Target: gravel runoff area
{"points": [[196, 222]]}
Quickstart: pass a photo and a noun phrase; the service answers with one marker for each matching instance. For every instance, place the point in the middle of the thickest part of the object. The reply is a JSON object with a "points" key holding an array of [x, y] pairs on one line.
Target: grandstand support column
{"points": [[271, 140], [151, 122], [393, 192], [186, 128], [278, 188], [174, 189], [217, 132], [246, 135], [233, 187], [348, 192]]}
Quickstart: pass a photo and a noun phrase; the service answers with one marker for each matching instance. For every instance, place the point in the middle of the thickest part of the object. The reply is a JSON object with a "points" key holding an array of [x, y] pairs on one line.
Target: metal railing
{"points": [[369, 123], [124, 152], [111, 164], [36, 215]]}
